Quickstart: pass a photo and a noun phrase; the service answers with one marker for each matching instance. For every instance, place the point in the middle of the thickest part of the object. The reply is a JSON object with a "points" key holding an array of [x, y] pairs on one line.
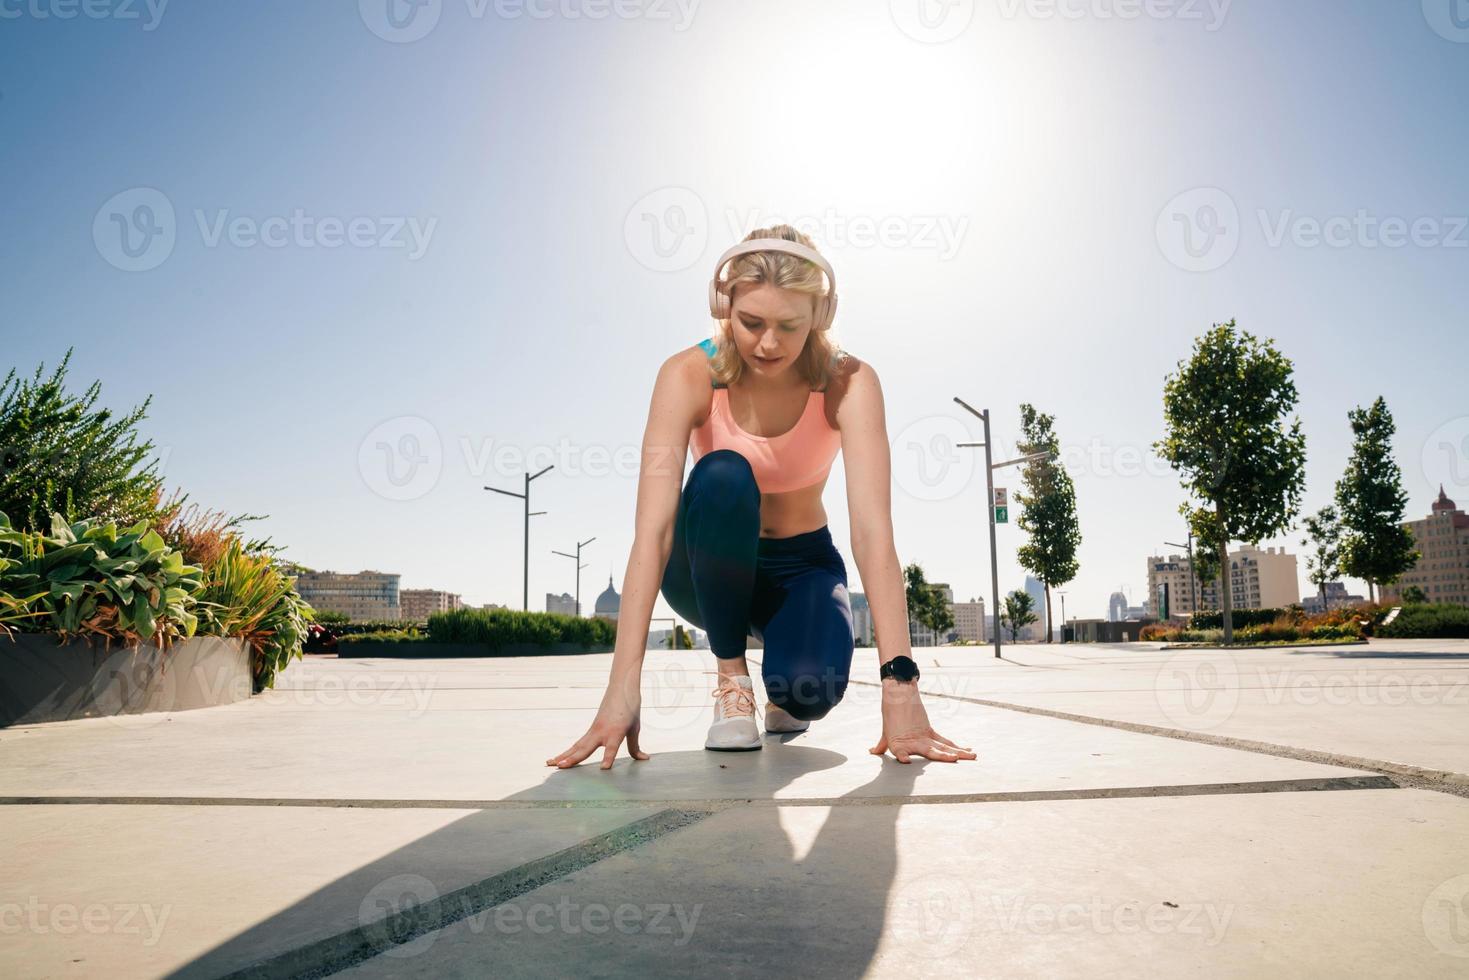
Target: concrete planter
{"points": [[426, 649], [42, 680]]}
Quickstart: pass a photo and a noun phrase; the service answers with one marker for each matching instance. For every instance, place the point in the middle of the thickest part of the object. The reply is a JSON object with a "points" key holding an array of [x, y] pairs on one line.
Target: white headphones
{"points": [[826, 306]]}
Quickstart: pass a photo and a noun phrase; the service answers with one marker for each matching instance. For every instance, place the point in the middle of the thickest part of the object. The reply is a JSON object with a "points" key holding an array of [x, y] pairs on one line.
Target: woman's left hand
{"points": [[905, 728]]}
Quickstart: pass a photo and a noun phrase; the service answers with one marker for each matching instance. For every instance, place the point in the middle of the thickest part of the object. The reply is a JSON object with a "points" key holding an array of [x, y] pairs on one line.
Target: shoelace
{"points": [[727, 692]]}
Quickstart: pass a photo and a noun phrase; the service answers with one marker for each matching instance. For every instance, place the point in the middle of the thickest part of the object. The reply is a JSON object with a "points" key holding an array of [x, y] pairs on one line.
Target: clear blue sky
{"points": [[572, 177]]}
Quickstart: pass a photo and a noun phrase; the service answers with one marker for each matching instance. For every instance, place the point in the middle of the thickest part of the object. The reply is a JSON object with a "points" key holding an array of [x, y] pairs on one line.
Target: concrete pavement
{"points": [[1132, 810]]}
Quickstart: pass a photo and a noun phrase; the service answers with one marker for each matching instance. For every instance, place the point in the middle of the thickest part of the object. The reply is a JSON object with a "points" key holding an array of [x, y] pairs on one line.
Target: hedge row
{"points": [[502, 627], [1428, 622]]}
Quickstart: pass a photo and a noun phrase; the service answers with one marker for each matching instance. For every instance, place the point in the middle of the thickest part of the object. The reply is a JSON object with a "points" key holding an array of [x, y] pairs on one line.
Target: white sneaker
{"points": [[734, 725], [778, 720]]}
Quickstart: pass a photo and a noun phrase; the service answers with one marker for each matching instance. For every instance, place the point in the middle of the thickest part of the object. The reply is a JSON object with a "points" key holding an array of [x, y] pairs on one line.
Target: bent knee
{"points": [[806, 697]]}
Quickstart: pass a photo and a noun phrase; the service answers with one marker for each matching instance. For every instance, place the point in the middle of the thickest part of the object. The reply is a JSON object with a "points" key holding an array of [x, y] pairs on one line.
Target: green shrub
{"points": [[1428, 622], [63, 454], [387, 636], [246, 595], [501, 627], [1242, 617], [87, 579]]}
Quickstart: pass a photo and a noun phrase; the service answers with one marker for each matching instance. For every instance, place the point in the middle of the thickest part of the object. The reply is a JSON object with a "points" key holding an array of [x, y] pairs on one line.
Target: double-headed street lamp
{"points": [[579, 567], [525, 574], [1193, 600], [989, 482]]}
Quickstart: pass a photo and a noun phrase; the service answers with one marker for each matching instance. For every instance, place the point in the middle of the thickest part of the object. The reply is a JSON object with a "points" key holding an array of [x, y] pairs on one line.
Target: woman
{"points": [[744, 547]]}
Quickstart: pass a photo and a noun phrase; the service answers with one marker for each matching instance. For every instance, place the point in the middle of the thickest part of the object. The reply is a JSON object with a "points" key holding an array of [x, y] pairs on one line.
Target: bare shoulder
{"points": [[683, 384], [854, 389]]}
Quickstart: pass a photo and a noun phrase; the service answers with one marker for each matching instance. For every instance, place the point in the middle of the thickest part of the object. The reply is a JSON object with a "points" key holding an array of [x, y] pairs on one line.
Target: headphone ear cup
{"points": [[830, 312], [718, 301]]}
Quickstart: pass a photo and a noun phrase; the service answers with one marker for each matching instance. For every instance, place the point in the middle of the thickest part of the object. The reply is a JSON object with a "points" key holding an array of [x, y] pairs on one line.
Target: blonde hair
{"points": [[821, 353]]}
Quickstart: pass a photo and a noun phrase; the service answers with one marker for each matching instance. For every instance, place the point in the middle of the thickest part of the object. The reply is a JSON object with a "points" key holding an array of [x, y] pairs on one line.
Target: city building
{"points": [[1336, 598], [1442, 541], [608, 603], [1260, 579], [1037, 591], [969, 620], [360, 596], [1117, 607], [565, 603], [419, 604], [920, 635], [862, 634]]}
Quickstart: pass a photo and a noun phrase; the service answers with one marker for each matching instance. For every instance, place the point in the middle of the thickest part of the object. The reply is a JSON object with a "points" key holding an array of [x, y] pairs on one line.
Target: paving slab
{"points": [[149, 891], [1399, 701], [447, 751], [1314, 884]]}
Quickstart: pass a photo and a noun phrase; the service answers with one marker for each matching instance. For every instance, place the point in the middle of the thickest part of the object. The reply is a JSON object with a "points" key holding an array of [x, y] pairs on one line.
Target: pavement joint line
{"points": [[348, 948], [1406, 776], [1298, 785]]}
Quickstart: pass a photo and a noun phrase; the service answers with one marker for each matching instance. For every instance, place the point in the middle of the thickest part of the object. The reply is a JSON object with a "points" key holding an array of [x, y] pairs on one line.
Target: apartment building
{"points": [[1442, 541]]}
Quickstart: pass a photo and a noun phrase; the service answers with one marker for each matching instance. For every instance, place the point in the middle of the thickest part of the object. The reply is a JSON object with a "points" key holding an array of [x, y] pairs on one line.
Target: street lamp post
{"points": [[525, 554], [989, 483], [1063, 614], [1193, 599], [579, 567]]}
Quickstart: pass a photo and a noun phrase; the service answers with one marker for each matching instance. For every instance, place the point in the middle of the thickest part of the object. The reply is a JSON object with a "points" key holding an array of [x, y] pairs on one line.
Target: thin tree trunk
{"points": [[1226, 601], [1048, 611]]}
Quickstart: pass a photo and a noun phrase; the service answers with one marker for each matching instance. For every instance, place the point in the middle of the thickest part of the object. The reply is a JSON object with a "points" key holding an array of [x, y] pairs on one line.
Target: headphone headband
{"points": [[826, 306]]}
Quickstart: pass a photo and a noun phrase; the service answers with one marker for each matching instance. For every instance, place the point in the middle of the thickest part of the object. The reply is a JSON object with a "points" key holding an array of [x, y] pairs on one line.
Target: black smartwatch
{"points": [[900, 668]]}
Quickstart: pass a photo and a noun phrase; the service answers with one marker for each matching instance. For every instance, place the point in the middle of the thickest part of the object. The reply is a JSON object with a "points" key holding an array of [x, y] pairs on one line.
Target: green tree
{"points": [[60, 453], [926, 604], [1231, 436], [1376, 547], [1323, 534], [1019, 612], [1413, 596], [1048, 499]]}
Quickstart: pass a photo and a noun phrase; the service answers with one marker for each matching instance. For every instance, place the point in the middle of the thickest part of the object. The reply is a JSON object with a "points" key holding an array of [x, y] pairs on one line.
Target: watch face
{"points": [[902, 668]]}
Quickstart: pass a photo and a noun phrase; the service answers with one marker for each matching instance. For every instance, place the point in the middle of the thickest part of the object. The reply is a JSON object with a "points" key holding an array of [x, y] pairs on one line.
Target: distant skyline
{"points": [[368, 265]]}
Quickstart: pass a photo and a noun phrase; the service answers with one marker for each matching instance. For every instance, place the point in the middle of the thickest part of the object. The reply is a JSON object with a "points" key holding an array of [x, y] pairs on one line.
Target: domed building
{"points": [[1442, 542], [609, 603]]}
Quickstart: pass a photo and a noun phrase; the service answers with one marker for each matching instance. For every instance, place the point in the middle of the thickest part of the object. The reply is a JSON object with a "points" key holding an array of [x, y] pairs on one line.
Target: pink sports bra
{"points": [[790, 461]]}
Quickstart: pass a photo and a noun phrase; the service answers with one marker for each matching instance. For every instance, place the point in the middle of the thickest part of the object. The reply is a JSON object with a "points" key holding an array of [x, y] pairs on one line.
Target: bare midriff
{"points": [[784, 515]]}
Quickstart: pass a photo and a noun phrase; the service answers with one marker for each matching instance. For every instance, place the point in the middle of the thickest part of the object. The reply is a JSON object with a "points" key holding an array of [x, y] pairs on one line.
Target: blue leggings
{"points": [[789, 593]]}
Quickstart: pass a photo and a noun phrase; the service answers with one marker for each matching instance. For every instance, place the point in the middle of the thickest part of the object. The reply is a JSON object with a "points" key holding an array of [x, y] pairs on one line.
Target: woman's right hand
{"points": [[617, 719]]}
